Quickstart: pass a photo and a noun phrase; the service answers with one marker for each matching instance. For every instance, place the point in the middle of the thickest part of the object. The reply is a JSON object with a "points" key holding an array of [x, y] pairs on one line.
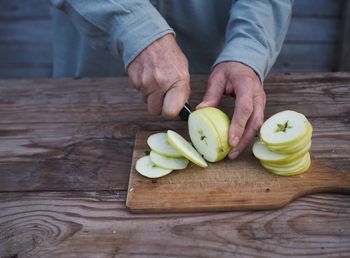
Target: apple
{"points": [[285, 141], [263, 153], [168, 163], [208, 129], [185, 148], [147, 168], [299, 167], [159, 143], [297, 146], [284, 129]]}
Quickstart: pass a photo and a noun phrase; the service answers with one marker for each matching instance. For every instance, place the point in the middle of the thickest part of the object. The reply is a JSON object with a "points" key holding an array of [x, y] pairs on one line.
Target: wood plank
{"points": [[228, 185], [311, 29], [25, 53], [64, 157], [18, 71], [344, 64], [25, 29], [28, 8], [84, 129], [292, 57], [117, 101], [97, 224], [317, 8]]}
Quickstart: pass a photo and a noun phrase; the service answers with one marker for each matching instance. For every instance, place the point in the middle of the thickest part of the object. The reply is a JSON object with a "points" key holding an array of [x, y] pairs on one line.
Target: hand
{"points": [[239, 80], [160, 73]]}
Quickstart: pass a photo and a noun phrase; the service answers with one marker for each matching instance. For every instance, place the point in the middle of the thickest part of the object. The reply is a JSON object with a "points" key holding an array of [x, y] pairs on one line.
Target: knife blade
{"points": [[185, 112]]}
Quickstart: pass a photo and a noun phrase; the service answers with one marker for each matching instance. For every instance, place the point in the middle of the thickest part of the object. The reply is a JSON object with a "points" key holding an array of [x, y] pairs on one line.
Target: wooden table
{"points": [[65, 152]]}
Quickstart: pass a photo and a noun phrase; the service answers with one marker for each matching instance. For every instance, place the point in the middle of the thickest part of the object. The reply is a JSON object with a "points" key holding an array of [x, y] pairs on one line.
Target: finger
{"points": [[253, 125], [214, 92], [243, 111], [155, 103], [175, 98]]}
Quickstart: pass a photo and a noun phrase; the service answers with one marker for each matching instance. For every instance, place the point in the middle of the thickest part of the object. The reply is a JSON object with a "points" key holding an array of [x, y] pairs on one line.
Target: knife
{"points": [[185, 112]]}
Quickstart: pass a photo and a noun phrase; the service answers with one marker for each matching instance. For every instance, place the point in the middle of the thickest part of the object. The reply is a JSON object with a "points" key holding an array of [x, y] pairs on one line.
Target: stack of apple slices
{"points": [[208, 130], [285, 141]]}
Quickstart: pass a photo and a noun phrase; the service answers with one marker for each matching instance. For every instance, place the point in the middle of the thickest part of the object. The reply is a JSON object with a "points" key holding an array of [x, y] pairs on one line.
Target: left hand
{"points": [[240, 81]]}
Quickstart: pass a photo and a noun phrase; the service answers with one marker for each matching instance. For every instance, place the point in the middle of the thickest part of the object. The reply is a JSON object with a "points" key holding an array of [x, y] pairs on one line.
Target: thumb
{"points": [[214, 92], [175, 98]]}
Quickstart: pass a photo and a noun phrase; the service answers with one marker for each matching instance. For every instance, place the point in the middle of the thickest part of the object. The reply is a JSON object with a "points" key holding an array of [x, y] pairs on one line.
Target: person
{"points": [[236, 41]]}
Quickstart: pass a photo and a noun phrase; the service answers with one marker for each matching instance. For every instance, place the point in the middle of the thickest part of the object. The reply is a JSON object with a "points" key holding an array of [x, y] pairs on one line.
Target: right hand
{"points": [[160, 72]]}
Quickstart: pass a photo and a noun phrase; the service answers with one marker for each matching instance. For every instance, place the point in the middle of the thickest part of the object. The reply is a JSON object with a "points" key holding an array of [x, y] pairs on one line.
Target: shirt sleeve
{"points": [[255, 33], [126, 27]]}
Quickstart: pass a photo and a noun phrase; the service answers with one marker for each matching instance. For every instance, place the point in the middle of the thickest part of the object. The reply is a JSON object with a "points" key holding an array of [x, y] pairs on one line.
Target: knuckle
{"points": [[258, 123], [247, 108], [169, 113]]}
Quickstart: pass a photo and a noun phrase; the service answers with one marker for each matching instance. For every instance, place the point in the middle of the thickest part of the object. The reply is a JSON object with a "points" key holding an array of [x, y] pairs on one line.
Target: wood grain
{"points": [[65, 134], [242, 184], [49, 143], [96, 224]]}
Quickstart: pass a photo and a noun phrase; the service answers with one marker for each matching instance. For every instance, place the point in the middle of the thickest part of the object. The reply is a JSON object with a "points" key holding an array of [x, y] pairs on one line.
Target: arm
{"points": [[125, 26], [254, 36], [134, 28]]}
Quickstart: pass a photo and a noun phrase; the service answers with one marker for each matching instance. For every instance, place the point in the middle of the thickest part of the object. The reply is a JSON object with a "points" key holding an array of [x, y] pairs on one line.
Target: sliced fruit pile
{"points": [[284, 144], [208, 130]]}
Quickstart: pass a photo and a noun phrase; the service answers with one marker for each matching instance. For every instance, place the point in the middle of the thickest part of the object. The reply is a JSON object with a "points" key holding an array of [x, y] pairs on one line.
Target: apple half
{"points": [[208, 129]]}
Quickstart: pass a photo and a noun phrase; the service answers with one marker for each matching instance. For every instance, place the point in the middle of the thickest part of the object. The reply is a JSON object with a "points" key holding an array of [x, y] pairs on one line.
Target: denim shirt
{"points": [[102, 37]]}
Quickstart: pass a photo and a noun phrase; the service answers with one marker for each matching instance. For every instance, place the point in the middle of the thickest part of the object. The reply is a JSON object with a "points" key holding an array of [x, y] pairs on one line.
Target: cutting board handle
{"points": [[327, 180]]}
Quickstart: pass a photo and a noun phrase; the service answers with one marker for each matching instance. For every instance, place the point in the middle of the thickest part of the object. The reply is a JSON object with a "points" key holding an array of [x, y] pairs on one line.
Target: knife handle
{"points": [[185, 112]]}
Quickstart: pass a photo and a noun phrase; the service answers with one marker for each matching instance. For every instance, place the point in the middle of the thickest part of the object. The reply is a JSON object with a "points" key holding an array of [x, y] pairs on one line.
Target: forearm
{"points": [[125, 27], [255, 33]]}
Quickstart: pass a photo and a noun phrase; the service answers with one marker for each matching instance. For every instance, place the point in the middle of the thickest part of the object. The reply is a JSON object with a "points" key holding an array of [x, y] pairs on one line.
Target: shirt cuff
{"points": [[248, 52], [141, 27]]}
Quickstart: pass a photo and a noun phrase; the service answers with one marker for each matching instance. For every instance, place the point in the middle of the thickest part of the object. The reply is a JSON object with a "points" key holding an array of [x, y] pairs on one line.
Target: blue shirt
{"points": [[102, 37]]}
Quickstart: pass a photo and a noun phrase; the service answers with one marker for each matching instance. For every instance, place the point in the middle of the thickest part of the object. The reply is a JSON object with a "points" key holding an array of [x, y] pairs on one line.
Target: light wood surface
{"points": [[65, 157], [242, 184]]}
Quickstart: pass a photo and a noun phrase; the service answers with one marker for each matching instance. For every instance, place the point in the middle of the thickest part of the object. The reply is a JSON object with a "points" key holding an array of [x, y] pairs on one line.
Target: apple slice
{"points": [[299, 167], [147, 168], [296, 147], [208, 130], [168, 163], [185, 148], [284, 129], [261, 152], [159, 143]]}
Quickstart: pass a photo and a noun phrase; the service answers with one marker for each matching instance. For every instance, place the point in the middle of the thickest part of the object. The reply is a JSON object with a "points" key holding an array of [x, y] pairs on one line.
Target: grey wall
{"points": [[25, 38]]}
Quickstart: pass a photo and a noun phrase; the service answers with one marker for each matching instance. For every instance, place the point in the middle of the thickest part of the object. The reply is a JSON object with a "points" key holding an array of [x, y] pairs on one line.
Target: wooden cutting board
{"points": [[242, 184]]}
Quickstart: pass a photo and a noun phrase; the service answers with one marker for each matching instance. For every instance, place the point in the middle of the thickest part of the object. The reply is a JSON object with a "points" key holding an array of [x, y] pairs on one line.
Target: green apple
{"points": [[296, 146], [263, 153], [159, 143], [168, 163], [208, 129], [300, 167], [285, 129], [185, 148], [147, 168]]}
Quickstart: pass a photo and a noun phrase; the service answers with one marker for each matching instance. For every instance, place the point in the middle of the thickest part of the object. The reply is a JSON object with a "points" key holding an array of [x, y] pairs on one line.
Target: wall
{"points": [[25, 38]]}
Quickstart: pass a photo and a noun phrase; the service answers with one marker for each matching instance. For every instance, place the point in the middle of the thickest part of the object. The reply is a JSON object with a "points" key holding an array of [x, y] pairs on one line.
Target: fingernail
{"points": [[202, 104], [235, 141], [233, 155]]}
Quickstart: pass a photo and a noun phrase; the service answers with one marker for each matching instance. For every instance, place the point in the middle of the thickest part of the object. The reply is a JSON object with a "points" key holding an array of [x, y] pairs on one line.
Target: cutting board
{"points": [[241, 184]]}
